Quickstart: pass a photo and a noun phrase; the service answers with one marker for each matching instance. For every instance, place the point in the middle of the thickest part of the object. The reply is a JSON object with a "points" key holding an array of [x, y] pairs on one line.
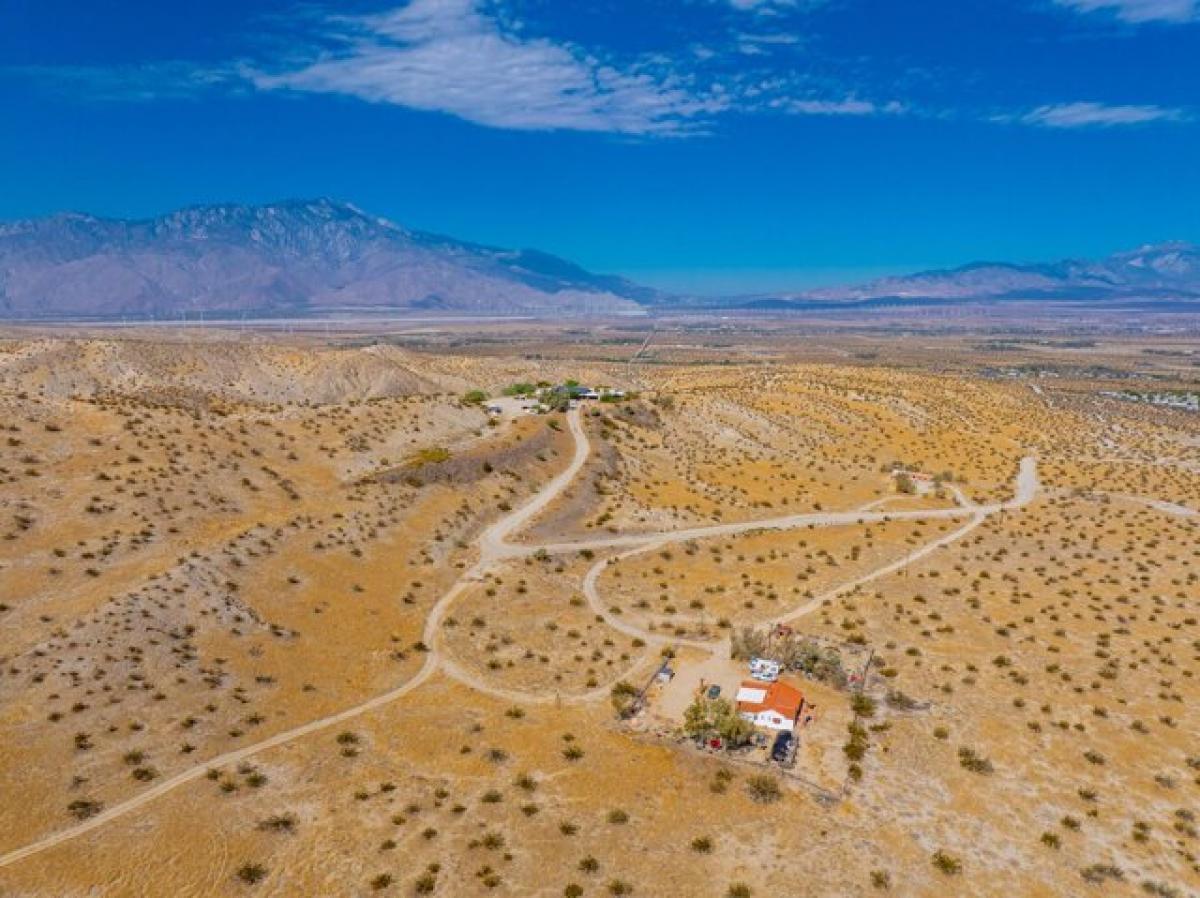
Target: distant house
{"points": [[773, 706], [916, 476]]}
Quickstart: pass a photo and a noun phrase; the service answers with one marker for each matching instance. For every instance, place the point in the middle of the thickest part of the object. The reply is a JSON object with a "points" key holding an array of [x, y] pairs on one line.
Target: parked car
{"points": [[713, 691], [779, 751]]}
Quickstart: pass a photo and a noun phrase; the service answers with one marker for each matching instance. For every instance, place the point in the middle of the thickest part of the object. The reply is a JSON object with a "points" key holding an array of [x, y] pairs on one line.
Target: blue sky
{"points": [[708, 145]]}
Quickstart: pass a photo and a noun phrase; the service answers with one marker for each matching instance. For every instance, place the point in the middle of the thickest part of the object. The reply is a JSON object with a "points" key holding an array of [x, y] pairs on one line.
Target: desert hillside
{"points": [[286, 615]]}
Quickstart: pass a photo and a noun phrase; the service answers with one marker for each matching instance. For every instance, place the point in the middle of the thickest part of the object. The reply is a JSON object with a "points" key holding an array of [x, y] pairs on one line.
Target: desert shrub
{"points": [[856, 746], [1099, 873], [278, 823], [251, 874], [763, 788], [863, 705], [82, 808], [1159, 890], [623, 696], [946, 863], [973, 761], [381, 882], [493, 841]]}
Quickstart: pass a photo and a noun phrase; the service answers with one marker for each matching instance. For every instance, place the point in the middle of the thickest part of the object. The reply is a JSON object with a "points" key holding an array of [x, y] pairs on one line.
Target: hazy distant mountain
{"points": [[1167, 272], [291, 258], [318, 257]]}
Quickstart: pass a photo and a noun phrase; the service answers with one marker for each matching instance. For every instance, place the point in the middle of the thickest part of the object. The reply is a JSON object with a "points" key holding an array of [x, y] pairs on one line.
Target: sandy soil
{"points": [[274, 621]]}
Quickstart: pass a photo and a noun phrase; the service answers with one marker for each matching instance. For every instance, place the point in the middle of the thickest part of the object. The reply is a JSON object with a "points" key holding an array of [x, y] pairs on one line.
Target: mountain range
{"points": [[321, 257], [292, 259], [1166, 273]]}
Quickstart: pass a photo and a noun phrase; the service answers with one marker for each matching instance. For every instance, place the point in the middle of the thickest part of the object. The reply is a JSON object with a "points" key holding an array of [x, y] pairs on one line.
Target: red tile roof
{"points": [[781, 698]]}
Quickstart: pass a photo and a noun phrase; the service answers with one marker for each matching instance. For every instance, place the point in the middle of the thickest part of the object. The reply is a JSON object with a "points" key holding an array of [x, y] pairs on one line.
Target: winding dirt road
{"points": [[494, 547], [1026, 488]]}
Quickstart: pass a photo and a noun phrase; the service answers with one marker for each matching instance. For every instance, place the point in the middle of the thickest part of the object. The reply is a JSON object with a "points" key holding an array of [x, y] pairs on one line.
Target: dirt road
{"points": [[494, 547]]}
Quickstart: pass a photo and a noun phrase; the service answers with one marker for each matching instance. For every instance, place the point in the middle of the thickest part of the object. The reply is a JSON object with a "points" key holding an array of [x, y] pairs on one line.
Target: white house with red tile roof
{"points": [[773, 706]]}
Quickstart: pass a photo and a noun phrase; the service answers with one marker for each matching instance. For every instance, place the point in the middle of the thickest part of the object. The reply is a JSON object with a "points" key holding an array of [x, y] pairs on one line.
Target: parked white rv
{"points": [[765, 670]]}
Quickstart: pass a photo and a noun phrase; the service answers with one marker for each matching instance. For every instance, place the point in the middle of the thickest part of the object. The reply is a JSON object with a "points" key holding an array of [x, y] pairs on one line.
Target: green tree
{"points": [[733, 728], [697, 719]]}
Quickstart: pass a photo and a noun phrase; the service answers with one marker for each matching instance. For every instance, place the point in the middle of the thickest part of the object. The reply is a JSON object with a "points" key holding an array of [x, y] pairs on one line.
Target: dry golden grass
{"points": [[210, 544]]}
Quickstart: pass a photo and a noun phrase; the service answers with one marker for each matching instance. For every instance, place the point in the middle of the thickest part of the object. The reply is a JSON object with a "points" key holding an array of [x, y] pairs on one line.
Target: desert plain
{"points": [[324, 613]]}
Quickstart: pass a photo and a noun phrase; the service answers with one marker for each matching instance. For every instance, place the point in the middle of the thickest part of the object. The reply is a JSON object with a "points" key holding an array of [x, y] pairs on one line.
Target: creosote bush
{"points": [[252, 874], [763, 788], [946, 863]]}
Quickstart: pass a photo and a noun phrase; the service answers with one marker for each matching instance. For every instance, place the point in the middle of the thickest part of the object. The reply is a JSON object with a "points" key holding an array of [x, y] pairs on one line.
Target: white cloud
{"points": [[848, 106], [1137, 11], [1085, 115], [447, 56], [773, 7], [162, 80], [746, 5]]}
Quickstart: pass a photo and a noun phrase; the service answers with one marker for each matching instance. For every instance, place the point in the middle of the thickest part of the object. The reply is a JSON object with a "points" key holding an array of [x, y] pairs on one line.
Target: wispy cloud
{"points": [[447, 56], [760, 5], [475, 60], [162, 80], [1137, 11], [465, 58], [849, 106], [1098, 115]]}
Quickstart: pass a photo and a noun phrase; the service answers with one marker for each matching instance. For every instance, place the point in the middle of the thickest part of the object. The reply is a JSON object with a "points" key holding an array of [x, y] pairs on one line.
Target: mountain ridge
{"points": [[314, 257], [296, 257], [1170, 269]]}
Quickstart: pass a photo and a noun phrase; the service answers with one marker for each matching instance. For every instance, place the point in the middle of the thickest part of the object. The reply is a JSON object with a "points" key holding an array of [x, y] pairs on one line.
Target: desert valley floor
{"points": [[300, 615]]}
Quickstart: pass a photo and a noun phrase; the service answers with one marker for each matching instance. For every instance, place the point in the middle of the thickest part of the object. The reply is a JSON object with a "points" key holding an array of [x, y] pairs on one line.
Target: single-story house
{"points": [[773, 706]]}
